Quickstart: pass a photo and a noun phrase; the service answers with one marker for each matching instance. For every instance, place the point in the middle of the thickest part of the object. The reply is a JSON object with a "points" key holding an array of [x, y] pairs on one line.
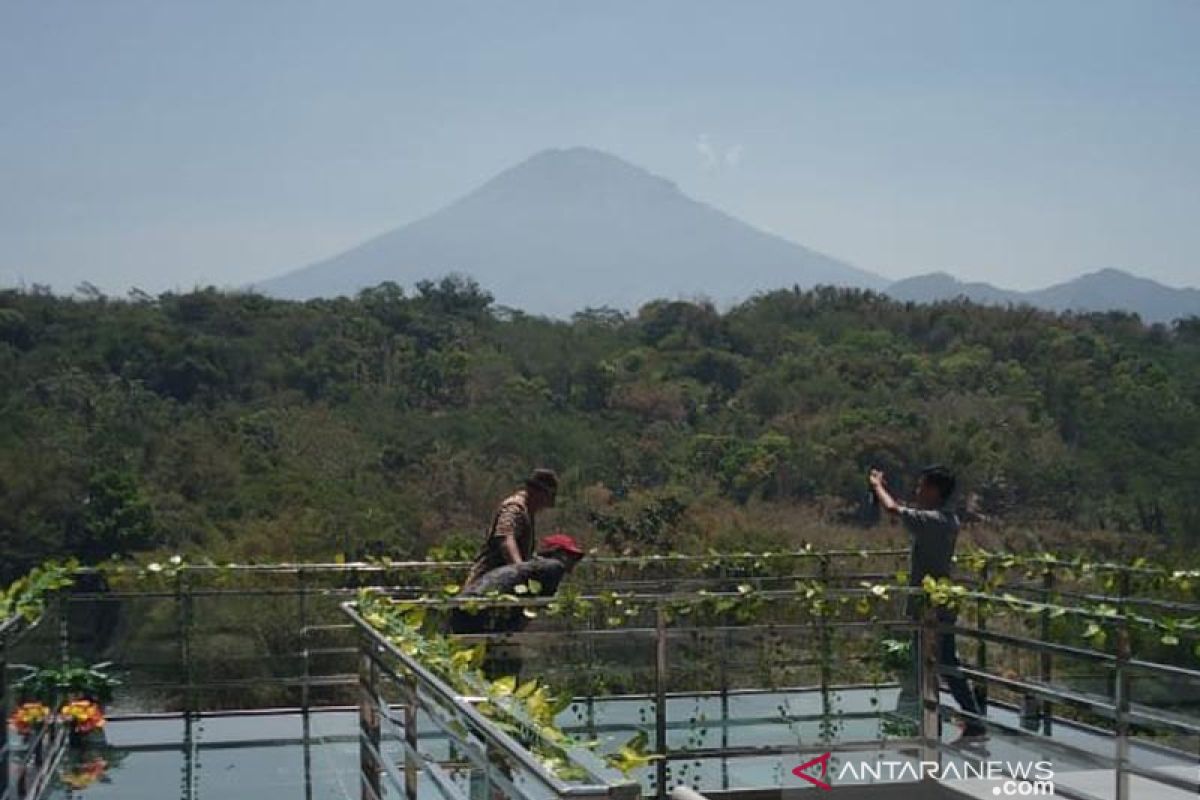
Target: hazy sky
{"points": [[162, 144]]}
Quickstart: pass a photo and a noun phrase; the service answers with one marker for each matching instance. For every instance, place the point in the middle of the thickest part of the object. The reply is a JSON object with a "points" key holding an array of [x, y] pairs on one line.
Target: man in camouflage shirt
{"points": [[511, 535]]}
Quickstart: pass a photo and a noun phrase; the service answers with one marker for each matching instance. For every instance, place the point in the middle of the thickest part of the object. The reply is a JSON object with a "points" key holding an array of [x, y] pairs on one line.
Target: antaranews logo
{"points": [[1008, 778], [823, 760]]}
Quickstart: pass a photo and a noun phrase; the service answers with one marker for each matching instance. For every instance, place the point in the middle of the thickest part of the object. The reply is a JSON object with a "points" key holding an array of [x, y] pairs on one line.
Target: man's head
{"points": [[541, 487], [935, 486], [562, 547]]}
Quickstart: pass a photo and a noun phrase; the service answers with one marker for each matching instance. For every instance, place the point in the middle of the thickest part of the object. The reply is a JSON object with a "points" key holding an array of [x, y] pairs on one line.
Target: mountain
{"points": [[1106, 290], [942, 286], [569, 229]]}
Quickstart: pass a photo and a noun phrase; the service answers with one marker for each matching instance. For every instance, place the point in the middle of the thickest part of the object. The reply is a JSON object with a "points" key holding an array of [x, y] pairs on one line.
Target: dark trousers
{"points": [[955, 682], [959, 688]]}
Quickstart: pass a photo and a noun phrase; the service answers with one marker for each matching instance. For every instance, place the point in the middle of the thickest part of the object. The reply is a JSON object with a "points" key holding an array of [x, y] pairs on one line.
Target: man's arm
{"points": [[506, 530], [886, 501], [916, 520]]}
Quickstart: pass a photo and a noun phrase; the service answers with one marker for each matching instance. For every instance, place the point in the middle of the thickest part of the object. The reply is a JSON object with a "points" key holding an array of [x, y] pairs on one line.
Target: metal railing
{"points": [[493, 756], [315, 658], [316, 649], [165, 641], [1078, 742]]}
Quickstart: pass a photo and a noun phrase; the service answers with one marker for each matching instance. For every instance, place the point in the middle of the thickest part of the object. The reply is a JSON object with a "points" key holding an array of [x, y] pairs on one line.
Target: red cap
{"points": [[560, 541]]}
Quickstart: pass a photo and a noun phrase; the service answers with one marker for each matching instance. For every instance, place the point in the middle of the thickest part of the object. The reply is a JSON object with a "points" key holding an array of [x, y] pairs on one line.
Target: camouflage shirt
{"points": [[512, 519]]}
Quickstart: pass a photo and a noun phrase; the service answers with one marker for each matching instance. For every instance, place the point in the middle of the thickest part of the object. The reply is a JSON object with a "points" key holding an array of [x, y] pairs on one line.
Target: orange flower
{"points": [[27, 716], [83, 716]]}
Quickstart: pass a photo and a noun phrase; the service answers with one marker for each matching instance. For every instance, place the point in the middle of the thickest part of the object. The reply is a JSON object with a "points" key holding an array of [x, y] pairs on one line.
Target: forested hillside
{"points": [[246, 427]]}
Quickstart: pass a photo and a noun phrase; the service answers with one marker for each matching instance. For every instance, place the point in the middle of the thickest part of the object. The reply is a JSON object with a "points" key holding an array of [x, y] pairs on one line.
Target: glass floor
{"points": [[261, 756], [282, 756]]}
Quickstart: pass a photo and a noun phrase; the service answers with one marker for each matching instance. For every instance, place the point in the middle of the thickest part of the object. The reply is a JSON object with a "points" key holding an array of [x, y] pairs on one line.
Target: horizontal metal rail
{"points": [[1074, 566], [648, 632], [1109, 599], [250, 683], [1096, 704], [135, 716], [1040, 645], [319, 567], [756, 750]]}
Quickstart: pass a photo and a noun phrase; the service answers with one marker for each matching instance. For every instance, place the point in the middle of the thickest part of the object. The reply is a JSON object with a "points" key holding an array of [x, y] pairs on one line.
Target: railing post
{"points": [[412, 739], [1046, 671], [304, 709], [824, 650], [981, 662], [660, 698], [189, 757], [1121, 686], [303, 611], [183, 607], [1122, 713], [724, 678], [183, 601], [368, 723], [306, 724], [931, 720], [64, 631]]}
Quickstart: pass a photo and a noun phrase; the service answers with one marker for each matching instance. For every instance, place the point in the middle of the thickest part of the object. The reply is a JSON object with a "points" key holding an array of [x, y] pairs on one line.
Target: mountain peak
{"points": [[1117, 279], [571, 228], [577, 155], [559, 174], [1109, 274]]}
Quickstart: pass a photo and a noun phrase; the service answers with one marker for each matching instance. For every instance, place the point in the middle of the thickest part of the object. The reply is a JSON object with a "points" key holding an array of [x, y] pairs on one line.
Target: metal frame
{"points": [[933, 710], [640, 575], [186, 585], [372, 642], [386, 666]]}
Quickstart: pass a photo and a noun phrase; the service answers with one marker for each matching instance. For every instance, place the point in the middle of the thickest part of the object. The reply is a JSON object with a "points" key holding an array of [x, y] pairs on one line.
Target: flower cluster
{"points": [[28, 716], [84, 716]]}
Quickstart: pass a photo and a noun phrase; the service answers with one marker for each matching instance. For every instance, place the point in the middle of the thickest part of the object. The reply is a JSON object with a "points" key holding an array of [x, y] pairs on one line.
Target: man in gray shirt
{"points": [[933, 531]]}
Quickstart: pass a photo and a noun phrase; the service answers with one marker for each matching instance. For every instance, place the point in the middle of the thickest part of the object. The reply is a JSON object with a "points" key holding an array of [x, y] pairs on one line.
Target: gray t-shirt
{"points": [[933, 534]]}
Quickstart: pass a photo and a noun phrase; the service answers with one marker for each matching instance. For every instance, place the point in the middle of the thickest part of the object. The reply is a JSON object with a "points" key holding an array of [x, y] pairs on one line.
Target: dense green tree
{"points": [[392, 421]]}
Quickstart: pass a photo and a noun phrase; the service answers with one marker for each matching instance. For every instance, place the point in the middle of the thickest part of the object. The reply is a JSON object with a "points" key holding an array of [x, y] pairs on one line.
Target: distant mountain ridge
{"points": [[1105, 290], [568, 229]]}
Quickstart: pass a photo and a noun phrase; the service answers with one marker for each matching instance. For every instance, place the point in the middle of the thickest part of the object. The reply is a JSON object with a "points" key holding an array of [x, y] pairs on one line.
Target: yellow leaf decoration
{"points": [[632, 755]]}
